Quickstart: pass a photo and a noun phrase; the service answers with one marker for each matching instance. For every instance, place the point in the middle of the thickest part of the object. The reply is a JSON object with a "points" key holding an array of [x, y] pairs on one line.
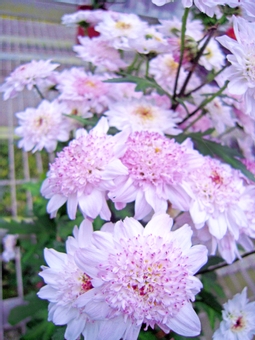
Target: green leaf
{"points": [[142, 84], [42, 330], [22, 312], [15, 227], [93, 121], [146, 335], [180, 337], [210, 300], [210, 148], [59, 333]]}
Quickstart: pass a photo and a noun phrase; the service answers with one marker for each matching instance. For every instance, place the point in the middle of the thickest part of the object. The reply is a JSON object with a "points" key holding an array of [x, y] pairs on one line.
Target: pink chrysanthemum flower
{"points": [[65, 282], [84, 171], [100, 53], [42, 127], [143, 114], [216, 190], [145, 275], [241, 74], [76, 84], [120, 28], [238, 319], [157, 167], [27, 75]]}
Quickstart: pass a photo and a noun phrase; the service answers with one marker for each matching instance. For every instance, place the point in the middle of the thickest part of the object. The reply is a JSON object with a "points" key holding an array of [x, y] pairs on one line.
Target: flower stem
{"points": [[39, 92], [184, 23]]}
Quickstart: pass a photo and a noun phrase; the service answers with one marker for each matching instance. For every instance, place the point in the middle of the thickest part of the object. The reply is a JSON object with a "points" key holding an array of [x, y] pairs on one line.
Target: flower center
{"points": [[147, 279], [121, 25], [144, 112], [239, 324]]}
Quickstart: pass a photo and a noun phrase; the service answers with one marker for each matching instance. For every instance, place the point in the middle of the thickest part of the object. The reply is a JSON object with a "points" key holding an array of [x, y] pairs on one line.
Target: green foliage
{"points": [[215, 150]]}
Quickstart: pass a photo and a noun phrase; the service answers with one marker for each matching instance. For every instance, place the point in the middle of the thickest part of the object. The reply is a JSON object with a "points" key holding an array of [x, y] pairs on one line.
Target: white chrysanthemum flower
{"points": [[88, 16], [145, 275], [9, 243], [238, 319], [65, 282], [164, 68], [42, 127], [119, 29], [217, 190], [241, 73], [142, 114], [172, 28], [27, 75], [83, 172], [150, 41], [78, 85], [213, 58], [100, 53]]}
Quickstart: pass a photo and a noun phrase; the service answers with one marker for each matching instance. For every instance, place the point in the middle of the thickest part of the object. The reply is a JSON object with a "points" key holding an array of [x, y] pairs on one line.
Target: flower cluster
{"points": [[164, 131]]}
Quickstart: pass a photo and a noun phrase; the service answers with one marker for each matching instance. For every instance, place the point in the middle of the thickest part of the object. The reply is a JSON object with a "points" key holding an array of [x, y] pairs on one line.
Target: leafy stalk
{"points": [[39, 92], [184, 23]]}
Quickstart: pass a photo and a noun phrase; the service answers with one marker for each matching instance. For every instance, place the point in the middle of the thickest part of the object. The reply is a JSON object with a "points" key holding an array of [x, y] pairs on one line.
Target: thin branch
{"points": [[224, 264], [39, 92], [184, 23]]}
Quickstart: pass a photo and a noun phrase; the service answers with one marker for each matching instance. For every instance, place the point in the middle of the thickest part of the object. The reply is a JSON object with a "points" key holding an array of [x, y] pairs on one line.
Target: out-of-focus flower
{"points": [[42, 127], [91, 17], [84, 171], [119, 29], [217, 192], [238, 319], [65, 282], [100, 53], [213, 58], [157, 167], [9, 243], [142, 114], [26, 75], [145, 275], [241, 73], [76, 84]]}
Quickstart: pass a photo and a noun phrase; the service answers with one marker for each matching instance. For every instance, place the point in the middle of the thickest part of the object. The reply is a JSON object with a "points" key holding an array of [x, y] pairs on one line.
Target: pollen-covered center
{"points": [[239, 324], [72, 283], [121, 25], [155, 159], [144, 112], [214, 184], [80, 164], [147, 279]]}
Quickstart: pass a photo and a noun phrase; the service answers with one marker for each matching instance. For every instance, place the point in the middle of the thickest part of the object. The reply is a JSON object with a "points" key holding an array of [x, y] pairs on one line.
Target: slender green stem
{"points": [[184, 23], [196, 60], [205, 102], [207, 81], [224, 264], [227, 131], [39, 92], [195, 120], [147, 68], [131, 67]]}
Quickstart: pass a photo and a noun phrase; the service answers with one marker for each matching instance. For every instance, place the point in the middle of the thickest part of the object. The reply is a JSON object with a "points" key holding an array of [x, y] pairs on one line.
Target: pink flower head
{"points": [[216, 190], [100, 53], [142, 114], [27, 75], [76, 84], [84, 171], [42, 127], [145, 275], [238, 319], [65, 282], [241, 73], [157, 167]]}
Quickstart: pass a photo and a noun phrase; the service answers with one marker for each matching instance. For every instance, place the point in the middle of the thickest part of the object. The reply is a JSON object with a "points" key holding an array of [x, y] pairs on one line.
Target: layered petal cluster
{"points": [[100, 53], [84, 171], [26, 76], [238, 319], [241, 73], [120, 28], [91, 17], [221, 201], [65, 282], [157, 167], [143, 275], [42, 127], [77, 85], [143, 114]]}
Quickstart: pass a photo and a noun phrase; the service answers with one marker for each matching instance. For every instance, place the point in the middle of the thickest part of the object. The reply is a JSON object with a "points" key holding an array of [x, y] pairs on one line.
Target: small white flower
{"points": [[238, 319]]}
